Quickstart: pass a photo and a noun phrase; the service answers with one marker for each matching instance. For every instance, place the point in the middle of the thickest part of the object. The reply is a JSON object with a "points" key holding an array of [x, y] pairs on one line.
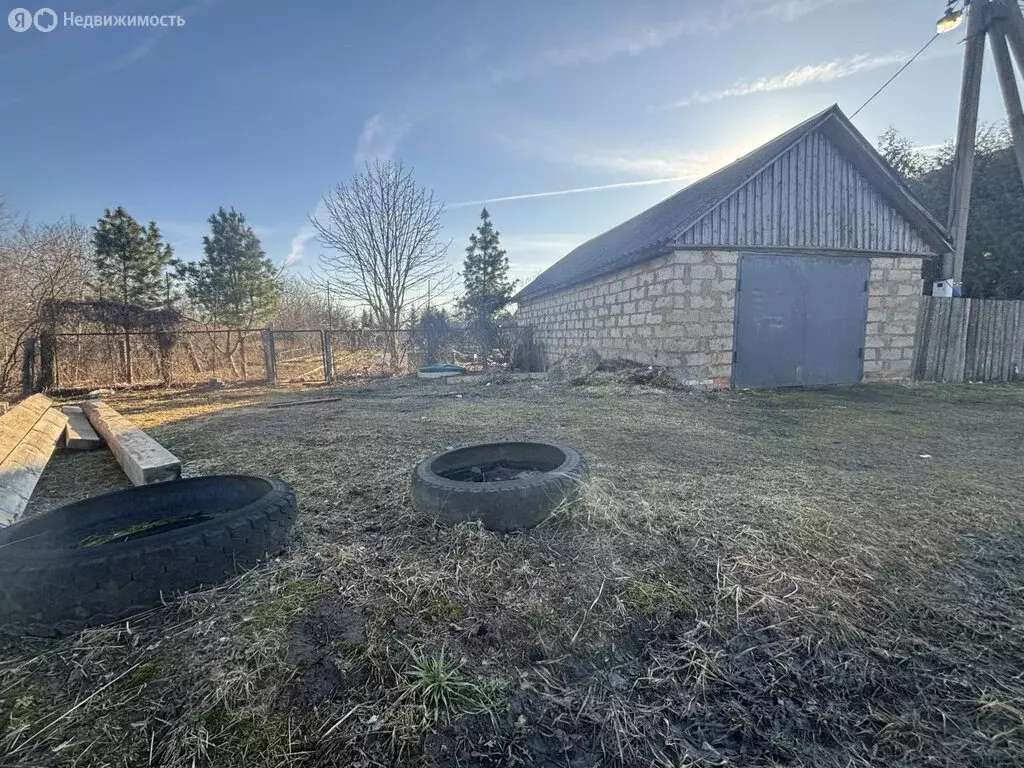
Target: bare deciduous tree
{"points": [[39, 264], [383, 235], [305, 303]]}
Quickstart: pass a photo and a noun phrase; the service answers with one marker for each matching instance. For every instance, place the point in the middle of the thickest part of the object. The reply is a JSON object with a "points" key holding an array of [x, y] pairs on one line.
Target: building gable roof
{"points": [[654, 231]]}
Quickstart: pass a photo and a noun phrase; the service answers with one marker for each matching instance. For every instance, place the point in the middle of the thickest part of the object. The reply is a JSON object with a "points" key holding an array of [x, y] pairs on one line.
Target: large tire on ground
{"points": [[551, 476], [106, 558]]}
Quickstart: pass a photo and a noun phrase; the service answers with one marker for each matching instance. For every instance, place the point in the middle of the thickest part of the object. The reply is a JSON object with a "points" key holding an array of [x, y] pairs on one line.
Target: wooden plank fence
{"points": [[962, 340]]}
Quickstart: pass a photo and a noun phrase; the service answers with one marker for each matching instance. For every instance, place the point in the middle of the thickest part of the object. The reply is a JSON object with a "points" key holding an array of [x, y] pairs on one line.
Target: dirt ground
{"points": [[827, 577]]}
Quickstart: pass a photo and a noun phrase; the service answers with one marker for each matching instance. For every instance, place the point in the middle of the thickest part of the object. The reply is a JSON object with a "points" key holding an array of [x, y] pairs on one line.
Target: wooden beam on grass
{"points": [[78, 433], [141, 457], [28, 434]]}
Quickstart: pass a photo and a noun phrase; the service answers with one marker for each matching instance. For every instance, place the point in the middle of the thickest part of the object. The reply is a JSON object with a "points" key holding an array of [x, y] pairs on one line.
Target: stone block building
{"points": [[798, 264]]}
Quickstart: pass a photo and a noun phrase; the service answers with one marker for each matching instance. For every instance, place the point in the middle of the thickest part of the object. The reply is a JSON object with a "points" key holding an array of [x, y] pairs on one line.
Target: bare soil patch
{"points": [[813, 578]]}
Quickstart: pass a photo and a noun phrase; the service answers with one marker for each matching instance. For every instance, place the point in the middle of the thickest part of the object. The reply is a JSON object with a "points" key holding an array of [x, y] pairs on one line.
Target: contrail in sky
{"points": [[577, 190]]}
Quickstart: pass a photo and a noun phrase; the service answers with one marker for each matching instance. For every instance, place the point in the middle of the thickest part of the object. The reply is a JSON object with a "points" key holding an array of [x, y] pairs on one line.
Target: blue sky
{"points": [[263, 106]]}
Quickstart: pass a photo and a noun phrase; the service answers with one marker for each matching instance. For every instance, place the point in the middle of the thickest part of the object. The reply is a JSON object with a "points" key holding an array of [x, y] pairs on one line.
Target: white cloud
{"points": [[380, 138], [647, 162], [655, 163], [809, 74], [726, 16], [302, 240], [298, 248]]}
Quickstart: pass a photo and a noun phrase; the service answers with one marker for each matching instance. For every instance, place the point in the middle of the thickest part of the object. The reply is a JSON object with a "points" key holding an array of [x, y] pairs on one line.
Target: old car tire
{"points": [[506, 505], [106, 558]]}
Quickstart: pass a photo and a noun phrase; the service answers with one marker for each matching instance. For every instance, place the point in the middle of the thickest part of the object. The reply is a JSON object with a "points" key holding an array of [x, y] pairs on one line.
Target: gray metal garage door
{"points": [[800, 320]]}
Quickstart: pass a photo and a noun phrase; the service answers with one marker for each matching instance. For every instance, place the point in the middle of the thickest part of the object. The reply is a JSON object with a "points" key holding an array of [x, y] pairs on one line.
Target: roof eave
{"points": [[637, 257]]}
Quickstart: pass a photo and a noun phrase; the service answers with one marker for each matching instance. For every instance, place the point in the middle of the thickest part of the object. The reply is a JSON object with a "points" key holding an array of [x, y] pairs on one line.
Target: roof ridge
{"points": [[651, 231]]}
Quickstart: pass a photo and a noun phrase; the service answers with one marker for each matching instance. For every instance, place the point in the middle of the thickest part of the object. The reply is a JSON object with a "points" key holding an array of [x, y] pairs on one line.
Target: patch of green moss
{"points": [[646, 597], [443, 608], [233, 733], [278, 613], [23, 707], [143, 673]]}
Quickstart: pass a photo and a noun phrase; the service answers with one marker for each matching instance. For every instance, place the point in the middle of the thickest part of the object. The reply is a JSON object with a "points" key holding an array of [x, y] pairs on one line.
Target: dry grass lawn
{"points": [[812, 578]]}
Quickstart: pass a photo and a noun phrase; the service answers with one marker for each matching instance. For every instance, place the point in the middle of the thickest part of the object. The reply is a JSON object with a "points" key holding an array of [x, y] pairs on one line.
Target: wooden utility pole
{"points": [[966, 137], [1008, 85], [1013, 24]]}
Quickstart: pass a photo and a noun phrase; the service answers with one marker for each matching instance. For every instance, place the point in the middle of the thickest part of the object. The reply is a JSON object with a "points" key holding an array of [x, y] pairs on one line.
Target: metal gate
{"points": [[800, 320]]}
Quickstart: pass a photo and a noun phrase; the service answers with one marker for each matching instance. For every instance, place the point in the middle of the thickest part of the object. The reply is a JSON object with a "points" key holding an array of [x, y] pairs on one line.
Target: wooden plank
{"points": [[19, 420], [989, 331], [991, 368], [954, 345], [141, 457], [22, 466], [1010, 333], [791, 230], [962, 316], [78, 433], [1009, 328], [1017, 350], [999, 337], [921, 338], [971, 348], [938, 328]]}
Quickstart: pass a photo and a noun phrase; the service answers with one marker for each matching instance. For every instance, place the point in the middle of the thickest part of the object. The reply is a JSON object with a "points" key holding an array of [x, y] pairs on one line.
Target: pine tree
{"points": [[488, 289], [234, 284], [130, 261]]}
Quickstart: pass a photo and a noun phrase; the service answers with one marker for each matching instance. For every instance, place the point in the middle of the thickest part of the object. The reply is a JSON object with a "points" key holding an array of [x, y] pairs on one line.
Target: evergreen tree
{"points": [[994, 253], [234, 283], [130, 261], [488, 289]]}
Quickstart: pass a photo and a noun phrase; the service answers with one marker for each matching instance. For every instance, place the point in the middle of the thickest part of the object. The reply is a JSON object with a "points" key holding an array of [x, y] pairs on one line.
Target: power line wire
{"points": [[898, 73]]}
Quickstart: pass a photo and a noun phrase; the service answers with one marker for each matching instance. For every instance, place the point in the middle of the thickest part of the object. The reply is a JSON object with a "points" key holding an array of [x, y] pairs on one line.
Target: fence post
{"points": [[325, 337], [164, 344], [47, 353], [28, 366], [267, 336], [241, 350]]}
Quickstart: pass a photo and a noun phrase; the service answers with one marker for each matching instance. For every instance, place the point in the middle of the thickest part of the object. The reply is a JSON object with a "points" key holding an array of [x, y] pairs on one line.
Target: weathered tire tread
{"points": [[90, 588], [503, 506]]}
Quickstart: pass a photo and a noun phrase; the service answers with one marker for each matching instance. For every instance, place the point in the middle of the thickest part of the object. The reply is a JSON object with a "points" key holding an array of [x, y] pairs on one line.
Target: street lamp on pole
{"points": [[952, 19]]}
